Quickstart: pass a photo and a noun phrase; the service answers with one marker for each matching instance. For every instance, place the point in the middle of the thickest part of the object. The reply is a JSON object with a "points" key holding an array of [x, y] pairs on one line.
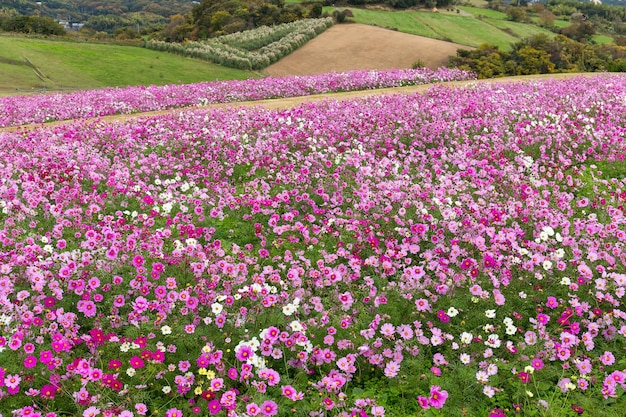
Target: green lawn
{"points": [[403, 21], [491, 28], [562, 23], [479, 11], [519, 30], [81, 65], [466, 30], [602, 39]]}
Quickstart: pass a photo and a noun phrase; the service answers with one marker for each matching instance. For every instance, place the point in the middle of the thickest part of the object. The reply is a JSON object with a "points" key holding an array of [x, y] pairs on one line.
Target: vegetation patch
{"points": [[252, 49], [72, 65]]}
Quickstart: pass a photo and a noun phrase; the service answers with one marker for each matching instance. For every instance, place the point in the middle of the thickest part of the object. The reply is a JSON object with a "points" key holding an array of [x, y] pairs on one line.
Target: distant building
{"points": [[71, 25]]}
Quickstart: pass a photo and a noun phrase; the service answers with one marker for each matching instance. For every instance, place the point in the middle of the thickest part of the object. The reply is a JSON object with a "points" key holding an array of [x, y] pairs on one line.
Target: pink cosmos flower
{"points": [[136, 362], [12, 381], [217, 384], [378, 411], [30, 362], [423, 402], [607, 358], [253, 409], [214, 407], [91, 412], [497, 412], [48, 392], [437, 396], [244, 353], [173, 412], [269, 408]]}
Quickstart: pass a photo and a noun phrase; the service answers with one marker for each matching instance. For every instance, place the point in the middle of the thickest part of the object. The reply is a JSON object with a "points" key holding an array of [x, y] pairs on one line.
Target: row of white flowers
{"points": [[253, 49]]}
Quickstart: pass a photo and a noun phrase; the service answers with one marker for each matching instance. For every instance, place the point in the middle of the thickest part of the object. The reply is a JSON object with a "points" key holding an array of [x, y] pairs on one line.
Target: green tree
{"points": [[486, 61], [516, 14], [532, 61], [220, 19], [546, 18], [178, 29], [316, 10], [579, 31], [32, 24]]}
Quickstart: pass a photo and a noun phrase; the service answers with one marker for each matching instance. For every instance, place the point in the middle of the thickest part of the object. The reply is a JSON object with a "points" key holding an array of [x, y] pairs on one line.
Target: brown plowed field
{"points": [[355, 46]]}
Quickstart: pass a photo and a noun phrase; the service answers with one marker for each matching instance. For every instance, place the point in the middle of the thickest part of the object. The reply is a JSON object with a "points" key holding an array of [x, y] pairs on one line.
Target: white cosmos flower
{"points": [[452, 312], [216, 308], [289, 309]]}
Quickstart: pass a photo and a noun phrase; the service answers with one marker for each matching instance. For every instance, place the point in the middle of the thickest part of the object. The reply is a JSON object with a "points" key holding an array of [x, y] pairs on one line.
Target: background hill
{"points": [[80, 10]]}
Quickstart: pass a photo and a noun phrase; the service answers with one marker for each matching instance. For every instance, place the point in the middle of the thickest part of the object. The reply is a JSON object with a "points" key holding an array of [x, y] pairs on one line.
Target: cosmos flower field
{"points": [[44, 108], [454, 253]]}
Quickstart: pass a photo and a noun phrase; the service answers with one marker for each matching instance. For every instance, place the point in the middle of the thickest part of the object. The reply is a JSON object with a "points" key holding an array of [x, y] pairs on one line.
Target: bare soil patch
{"points": [[355, 46]]}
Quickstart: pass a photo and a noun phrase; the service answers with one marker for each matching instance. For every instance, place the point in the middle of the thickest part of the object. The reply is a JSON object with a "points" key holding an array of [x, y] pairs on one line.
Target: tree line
{"points": [[30, 25], [541, 54]]}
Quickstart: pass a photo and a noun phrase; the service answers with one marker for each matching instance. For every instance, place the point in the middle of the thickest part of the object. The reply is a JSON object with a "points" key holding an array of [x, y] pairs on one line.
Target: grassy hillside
{"points": [[28, 64], [473, 27]]}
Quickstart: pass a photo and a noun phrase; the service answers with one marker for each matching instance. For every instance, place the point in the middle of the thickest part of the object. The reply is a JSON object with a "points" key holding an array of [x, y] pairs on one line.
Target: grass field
{"points": [[519, 30], [465, 29], [403, 21], [479, 11], [602, 39], [72, 65]]}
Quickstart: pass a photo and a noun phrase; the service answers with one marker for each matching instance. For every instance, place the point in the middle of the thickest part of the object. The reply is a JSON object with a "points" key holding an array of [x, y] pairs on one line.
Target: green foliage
{"points": [[81, 10], [339, 16], [32, 25], [540, 54], [516, 14], [579, 31], [418, 64], [619, 65], [533, 61], [212, 18]]}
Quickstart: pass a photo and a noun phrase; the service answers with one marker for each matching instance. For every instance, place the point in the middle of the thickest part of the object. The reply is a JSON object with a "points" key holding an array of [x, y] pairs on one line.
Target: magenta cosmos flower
{"points": [[269, 408], [437, 396], [173, 412]]}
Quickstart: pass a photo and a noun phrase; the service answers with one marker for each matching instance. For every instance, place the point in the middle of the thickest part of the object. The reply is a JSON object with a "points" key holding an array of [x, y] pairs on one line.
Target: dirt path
{"points": [[289, 102]]}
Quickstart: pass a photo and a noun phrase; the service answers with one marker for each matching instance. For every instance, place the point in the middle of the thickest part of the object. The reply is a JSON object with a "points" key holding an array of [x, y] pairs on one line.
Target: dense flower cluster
{"points": [[16, 110], [457, 246]]}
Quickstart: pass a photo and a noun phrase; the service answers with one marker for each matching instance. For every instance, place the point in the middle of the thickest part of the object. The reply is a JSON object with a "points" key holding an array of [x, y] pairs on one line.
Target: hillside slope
{"points": [[356, 46]]}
